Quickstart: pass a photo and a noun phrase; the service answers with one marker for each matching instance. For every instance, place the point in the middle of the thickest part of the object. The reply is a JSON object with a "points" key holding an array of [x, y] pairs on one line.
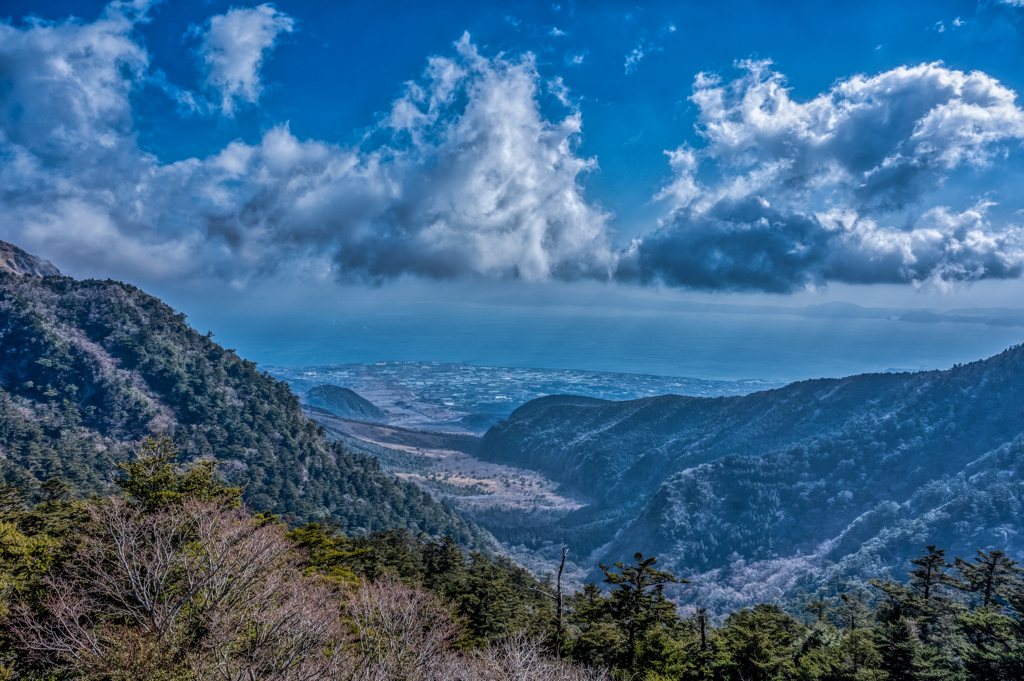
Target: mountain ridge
{"points": [[709, 484], [92, 366]]}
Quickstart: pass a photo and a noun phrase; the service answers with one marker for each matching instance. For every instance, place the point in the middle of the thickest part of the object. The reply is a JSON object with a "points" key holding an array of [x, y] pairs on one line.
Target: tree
{"points": [[853, 613], [189, 590], [557, 598], [818, 608], [927, 580], [597, 639], [154, 479], [992, 575], [901, 650], [760, 644], [992, 646], [638, 602]]}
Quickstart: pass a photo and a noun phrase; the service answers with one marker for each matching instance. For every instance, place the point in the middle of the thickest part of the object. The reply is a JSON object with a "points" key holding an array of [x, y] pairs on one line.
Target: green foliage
{"points": [[496, 597], [992, 576], [760, 644], [638, 604], [153, 479], [90, 367], [328, 553]]}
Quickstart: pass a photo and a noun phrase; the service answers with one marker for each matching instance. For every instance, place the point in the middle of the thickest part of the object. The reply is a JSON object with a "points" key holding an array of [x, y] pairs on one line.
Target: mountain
{"points": [[16, 261], [344, 403], [89, 367], [805, 489]]}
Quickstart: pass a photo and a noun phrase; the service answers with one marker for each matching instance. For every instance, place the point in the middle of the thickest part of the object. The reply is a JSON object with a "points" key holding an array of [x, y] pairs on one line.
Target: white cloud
{"points": [[837, 188], [633, 58], [575, 58], [467, 178], [232, 50]]}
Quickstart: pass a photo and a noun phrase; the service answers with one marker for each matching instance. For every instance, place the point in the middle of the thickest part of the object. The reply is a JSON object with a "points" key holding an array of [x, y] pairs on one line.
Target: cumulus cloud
{"points": [[837, 188], [464, 175], [232, 49]]}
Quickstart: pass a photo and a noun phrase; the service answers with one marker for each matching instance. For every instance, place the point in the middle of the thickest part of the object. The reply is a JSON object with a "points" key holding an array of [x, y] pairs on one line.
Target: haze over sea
{"points": [[698, 340]]}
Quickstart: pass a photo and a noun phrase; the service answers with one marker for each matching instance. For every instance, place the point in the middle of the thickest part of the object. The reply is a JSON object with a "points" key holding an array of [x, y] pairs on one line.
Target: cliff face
{"points": [[17, 261]]}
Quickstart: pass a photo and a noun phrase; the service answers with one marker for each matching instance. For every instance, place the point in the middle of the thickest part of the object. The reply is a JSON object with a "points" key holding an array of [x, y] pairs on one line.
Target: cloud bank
{"points": [[465, 175], [835, 188]]}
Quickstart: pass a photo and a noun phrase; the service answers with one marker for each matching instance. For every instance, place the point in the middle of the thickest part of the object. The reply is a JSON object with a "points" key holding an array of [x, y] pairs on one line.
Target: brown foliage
{"points": [[203, 592]]}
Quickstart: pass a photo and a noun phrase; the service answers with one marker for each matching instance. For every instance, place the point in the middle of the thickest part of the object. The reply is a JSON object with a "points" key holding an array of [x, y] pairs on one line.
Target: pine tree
{"points": [[154, 479], [901, 650], [927, 582], [818, 608], [638, 601], [992, 575]]}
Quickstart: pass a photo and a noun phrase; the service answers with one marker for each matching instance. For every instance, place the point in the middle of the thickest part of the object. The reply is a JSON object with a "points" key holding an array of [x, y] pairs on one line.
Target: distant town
{"points": [[468, 397]]}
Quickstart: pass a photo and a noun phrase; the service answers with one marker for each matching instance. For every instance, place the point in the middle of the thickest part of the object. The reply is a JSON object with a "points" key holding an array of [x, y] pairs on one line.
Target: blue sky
{"points": [[493, 171]]}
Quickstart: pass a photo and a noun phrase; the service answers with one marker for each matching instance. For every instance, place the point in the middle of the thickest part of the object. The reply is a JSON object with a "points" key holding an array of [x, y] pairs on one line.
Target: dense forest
{"points": [[89, 366], [173, 579], [803, 491]]}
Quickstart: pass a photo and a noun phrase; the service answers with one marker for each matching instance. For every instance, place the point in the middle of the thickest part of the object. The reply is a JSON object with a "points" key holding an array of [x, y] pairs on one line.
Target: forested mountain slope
{"points": [[830, 476], [343, 402], [88, 367]]}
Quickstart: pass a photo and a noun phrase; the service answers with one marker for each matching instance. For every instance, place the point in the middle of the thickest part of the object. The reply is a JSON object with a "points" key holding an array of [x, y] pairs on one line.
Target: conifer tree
{"points": [[817, 608], [638, 601], [927, 580], [154, 479], [901, 650], [992, 575]]}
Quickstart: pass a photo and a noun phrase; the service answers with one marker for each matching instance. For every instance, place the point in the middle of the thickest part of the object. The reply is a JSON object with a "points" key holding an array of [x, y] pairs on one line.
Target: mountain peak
{"points": [[17, 261]]}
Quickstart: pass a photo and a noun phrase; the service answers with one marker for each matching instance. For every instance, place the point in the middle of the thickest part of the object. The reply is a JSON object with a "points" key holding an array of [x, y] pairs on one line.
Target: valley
{"points": [[445, 465], [805, 489]]}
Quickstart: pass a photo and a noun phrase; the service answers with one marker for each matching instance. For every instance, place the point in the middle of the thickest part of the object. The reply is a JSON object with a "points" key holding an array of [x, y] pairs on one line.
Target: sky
{"points": [[696, 189]]}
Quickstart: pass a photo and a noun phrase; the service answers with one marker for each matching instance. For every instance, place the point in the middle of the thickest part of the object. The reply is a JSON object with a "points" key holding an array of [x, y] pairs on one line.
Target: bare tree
{"points": [[206, 586], [199, 591], [522, 658], [557, 598], [402, 633]]}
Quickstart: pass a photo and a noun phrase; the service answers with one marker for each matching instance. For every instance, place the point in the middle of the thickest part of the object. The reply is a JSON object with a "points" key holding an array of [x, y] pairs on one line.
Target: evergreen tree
{"points": [[760, 644], [927, 581], [901, 650], [817, 608], [153, 478], [638, 601], [853, 613], [992, 575], [597, 640]]}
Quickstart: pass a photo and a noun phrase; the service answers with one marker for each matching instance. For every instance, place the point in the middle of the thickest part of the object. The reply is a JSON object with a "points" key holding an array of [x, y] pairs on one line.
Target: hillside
{"points": [[89, 367], [343, 402], [835, 478]]}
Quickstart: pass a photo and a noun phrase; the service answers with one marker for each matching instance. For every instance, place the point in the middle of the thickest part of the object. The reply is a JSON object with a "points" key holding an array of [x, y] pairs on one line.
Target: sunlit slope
{"points": [[786, 472], [87, 367]]}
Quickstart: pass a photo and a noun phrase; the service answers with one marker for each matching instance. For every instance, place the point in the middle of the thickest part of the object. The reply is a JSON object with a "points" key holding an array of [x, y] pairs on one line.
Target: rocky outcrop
{"points": [[17, 261]]}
